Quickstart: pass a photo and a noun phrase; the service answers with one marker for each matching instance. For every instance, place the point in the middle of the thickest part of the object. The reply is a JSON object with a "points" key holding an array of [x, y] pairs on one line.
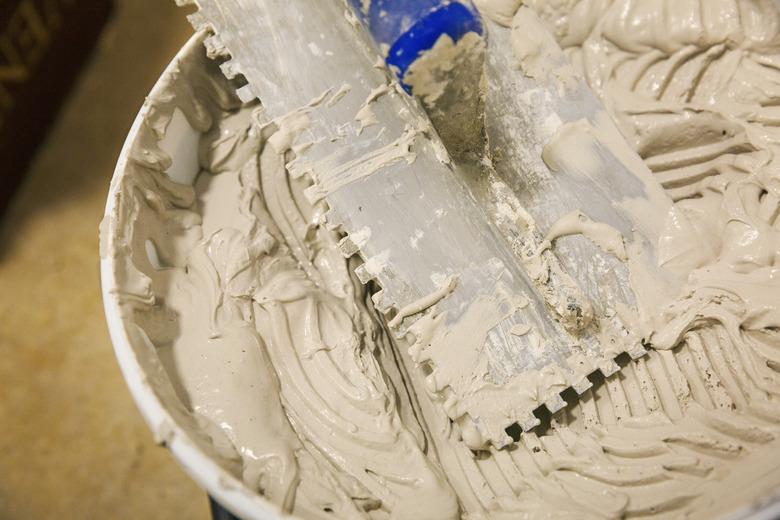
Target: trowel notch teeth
{"points": [[381, 302], [609, 368], [638, 351], [582, 386], [230, 68], [332, 226], [378, 299], [246, 94], [215, 48], [347, 247], [198, 22], [529, 423], [363, 274], [555, 403], [331, 223], [382, 299]]}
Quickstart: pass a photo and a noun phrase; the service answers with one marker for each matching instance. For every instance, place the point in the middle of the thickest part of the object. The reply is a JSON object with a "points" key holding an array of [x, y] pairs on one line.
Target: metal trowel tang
{"points": [[406, 209]]}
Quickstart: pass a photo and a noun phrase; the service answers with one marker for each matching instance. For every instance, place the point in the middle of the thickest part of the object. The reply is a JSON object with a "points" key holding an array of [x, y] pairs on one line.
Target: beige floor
{"points": [[72, 444]]}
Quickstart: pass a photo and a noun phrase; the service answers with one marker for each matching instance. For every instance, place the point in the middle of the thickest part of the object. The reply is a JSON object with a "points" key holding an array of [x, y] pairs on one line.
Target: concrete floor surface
{"points": [[72, 444]]}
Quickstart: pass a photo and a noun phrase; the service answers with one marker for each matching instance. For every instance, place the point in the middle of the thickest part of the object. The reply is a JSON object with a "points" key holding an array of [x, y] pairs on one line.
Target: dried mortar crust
{"points": [[275, 350]]}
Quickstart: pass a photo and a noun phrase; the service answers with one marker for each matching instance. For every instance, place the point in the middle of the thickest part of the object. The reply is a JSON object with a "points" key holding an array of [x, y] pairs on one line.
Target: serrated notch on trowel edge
{"points": [[393, 178]]}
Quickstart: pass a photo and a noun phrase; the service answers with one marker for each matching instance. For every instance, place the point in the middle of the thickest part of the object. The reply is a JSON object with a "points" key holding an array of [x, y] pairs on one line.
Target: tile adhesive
{"points": [[273, 345]]}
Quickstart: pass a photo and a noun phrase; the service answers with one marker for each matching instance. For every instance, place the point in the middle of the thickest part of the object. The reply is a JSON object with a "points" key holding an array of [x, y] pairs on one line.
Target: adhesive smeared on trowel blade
{"points": [[451, 279]]}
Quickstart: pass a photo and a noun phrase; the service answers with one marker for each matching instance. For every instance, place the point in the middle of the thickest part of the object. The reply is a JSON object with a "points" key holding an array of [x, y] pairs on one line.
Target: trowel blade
{"points": [[405, 208]]}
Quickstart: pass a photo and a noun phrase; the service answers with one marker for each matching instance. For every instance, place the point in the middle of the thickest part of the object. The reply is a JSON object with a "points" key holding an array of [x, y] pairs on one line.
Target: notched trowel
{"points": [[408, 209]]}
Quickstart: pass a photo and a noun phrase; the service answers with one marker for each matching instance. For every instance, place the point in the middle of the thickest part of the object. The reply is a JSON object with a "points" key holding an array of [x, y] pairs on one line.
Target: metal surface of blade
{"points": [[523, 115], [385, 184]]}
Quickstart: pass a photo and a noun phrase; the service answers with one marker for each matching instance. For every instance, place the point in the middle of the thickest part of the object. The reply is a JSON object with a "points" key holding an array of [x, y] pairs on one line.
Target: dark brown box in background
{"points": [[43, 44]]}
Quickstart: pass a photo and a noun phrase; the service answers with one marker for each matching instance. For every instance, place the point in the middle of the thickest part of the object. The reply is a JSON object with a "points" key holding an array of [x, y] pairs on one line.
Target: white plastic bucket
{"points": [[147, 380]]}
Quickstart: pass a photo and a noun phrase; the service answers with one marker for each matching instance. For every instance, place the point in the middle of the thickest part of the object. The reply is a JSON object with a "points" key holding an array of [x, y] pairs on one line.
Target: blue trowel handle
{"points": [[411, 27]]}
